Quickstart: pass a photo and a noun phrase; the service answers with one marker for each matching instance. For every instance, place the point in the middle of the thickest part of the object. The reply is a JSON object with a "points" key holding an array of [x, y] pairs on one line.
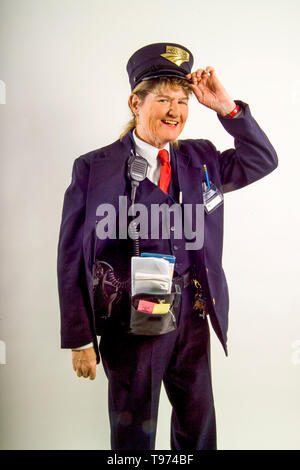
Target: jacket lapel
{"points": [[189, 178]]}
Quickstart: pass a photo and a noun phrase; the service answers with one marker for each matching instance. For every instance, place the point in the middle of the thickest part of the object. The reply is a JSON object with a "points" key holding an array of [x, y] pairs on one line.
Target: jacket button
{"points": [[206, 269], [214, 301]]}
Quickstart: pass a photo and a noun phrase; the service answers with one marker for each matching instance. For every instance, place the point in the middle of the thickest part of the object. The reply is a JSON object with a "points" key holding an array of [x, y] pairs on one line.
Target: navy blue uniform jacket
{"points": [[100, 177]]}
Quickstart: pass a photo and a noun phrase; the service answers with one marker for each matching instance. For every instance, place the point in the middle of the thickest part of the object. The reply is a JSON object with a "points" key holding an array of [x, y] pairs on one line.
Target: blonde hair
{"points": [[155, 85]]}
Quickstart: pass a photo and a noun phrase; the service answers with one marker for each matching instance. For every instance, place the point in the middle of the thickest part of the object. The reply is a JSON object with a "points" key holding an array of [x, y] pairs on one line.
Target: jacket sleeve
{"points": [[76, 327], [253, 156]]}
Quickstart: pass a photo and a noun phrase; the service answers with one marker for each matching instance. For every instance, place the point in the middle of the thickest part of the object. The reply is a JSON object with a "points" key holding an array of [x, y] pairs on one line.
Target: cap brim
{"points": [[163, 73]]}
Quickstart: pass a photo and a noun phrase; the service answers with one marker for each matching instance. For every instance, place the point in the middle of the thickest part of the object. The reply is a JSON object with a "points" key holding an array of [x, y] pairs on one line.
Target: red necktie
{"points": [[165, 171]]}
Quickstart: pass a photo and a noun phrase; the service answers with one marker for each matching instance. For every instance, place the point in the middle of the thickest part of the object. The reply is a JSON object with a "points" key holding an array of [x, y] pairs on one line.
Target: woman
{"points": [[180, 173]]}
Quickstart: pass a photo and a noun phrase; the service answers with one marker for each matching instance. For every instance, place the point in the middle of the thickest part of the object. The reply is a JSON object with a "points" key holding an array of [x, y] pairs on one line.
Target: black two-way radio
{"points": [[136, 171], [137, 167]]}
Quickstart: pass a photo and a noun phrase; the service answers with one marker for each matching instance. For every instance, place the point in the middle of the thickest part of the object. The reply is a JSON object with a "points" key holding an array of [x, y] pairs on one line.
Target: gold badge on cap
{"points": [[176, 55]]}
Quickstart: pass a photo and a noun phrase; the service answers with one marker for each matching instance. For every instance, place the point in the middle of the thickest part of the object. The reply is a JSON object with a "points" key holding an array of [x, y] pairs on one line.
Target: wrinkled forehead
{"points": [[167, 89]]}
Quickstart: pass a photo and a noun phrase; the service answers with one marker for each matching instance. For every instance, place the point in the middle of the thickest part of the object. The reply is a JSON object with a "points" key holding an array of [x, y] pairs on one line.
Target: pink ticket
{"points": [[146, 306]]}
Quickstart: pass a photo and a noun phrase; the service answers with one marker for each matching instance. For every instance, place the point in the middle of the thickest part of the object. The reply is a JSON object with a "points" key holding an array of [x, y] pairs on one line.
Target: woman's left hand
{"points": [[210, 92]]}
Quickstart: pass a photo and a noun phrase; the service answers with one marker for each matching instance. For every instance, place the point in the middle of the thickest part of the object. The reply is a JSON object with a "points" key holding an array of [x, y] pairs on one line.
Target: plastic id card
{"points": [[212, 198]]}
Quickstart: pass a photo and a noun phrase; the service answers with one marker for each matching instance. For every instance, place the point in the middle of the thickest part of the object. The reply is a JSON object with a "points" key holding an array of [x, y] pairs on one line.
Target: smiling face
{"points": [[161, 116]]}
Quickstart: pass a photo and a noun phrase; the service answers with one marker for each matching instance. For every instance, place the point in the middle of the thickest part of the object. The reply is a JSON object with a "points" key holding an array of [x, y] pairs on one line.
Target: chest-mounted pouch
{"points": [[153, 314]]}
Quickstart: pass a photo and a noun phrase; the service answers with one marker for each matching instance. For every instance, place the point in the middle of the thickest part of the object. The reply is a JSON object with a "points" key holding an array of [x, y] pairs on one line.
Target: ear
{"points": [[134, 103]]}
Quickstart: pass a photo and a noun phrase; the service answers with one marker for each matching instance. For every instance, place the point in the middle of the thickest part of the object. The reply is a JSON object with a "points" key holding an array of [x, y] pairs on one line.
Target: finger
{"points": [[194, 87], [83, 371], [199, 73], [197, 90], [200, 77], [92, 373], [79, 373], [76, 364], [210, 70], [196, 73], [204, 78], [194, 77]]}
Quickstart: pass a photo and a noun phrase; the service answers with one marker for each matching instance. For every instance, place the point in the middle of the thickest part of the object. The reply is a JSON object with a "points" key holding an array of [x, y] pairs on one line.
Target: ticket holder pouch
{"points": [[144, 323]]}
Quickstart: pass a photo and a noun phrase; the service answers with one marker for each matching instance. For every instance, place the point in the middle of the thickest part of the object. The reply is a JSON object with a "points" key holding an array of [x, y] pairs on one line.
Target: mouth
{"points": [[170, 123]]}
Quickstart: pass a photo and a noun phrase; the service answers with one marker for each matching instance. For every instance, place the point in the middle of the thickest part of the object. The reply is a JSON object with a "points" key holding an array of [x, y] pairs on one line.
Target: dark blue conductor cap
{"points": [[159, 60]]}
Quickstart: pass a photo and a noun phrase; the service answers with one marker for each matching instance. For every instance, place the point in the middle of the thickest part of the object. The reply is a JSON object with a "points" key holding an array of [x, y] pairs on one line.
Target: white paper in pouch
{"points": [[150, 275]]}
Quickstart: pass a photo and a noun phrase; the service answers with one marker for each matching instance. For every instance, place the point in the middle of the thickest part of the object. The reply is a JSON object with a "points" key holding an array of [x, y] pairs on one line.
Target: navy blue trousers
{"points": [[136, 366]]}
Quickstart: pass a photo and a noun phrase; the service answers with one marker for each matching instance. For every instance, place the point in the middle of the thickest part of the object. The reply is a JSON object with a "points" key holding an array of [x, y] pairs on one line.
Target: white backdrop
{"points": [[63, 68]]}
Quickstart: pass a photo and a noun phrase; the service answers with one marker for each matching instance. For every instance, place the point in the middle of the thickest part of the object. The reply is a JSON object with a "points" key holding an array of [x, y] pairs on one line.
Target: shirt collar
{"points": [[147, 150]]}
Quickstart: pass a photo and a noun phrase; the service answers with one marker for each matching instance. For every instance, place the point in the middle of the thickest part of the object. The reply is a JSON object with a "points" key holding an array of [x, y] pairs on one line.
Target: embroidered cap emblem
{"points": [[176, 55]]}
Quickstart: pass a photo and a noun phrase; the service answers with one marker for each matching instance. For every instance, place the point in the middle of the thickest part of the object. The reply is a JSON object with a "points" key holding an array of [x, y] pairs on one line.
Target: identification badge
{"points": [[212, 197]]}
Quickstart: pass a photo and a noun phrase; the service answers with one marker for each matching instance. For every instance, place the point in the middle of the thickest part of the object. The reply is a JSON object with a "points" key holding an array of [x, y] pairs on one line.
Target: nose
{"points": [[174, 109]]}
